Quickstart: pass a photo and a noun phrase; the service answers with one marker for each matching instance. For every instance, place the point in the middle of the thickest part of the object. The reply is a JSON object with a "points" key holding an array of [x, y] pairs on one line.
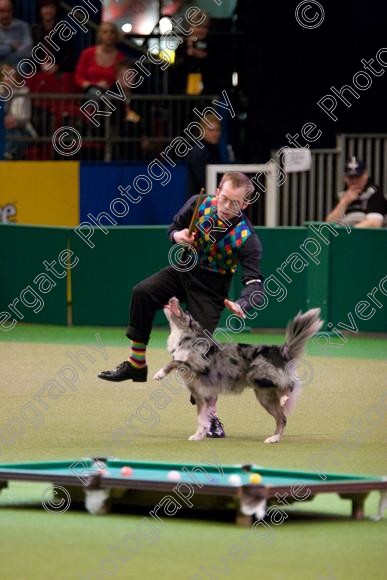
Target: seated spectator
{"points": [[96, 68], [15, 35], [198, 159], [17, 117], [362, 202], [127, 113], [129, 125], [64, 58]]}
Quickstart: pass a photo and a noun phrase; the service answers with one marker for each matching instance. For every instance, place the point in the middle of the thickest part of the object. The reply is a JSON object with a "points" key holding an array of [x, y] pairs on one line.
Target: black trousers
{"points": [[202, 291]]}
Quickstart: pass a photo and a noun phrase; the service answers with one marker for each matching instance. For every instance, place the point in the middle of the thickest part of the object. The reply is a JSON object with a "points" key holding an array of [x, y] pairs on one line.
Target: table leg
{"points": [[243, 520], [358, 501]]}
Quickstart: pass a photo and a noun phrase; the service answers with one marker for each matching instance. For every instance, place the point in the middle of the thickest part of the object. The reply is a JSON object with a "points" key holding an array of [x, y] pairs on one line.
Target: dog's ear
{"points": [[190, 319], [192, 323]]}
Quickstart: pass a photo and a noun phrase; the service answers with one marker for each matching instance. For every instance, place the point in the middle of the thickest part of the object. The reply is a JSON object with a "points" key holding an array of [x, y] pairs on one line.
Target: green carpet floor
{"points": [[374, 347], [37, 545]]}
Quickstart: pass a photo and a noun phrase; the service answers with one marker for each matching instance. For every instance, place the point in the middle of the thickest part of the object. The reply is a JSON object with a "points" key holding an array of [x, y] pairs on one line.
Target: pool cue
{"points": [[192, 223], [195, 213]]}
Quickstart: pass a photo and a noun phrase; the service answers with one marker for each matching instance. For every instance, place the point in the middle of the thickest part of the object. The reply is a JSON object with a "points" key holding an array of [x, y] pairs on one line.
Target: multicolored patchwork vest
{"points": [[218, 256]]}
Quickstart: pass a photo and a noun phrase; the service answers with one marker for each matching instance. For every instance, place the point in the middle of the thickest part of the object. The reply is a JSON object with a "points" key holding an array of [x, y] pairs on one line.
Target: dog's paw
{"points": [[159, 375], [272, 439], [197, 437]]}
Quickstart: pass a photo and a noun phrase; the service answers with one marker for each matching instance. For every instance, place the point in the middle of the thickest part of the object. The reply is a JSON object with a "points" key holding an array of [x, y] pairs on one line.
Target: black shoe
{"points": [[124, 372], [216, 429]]}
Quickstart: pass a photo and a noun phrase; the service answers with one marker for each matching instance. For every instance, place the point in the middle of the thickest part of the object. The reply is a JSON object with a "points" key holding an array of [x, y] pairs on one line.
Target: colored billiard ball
{"points": [[255, 478], [174, 476], [235, 479], [126, 471]]}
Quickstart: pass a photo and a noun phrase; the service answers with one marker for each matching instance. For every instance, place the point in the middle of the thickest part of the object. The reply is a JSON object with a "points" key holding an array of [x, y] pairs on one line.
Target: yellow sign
{"points": [[39, 193]]}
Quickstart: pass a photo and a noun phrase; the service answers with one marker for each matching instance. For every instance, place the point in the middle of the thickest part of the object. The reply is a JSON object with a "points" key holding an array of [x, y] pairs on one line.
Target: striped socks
{"points": [[137, 354]]}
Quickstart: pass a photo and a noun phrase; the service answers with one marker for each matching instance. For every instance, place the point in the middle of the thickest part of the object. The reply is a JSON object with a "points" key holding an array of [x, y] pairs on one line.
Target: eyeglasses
{"points": [[231, 202]]}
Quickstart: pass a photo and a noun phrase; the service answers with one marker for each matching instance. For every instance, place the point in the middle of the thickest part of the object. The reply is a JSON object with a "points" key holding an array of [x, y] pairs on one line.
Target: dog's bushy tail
{"points": [[302, 327], [292, 401]]}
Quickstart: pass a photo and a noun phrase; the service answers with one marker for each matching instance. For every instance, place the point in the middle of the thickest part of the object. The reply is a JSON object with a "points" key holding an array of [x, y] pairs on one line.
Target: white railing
{"points": [[310, 195], [265, 181]]}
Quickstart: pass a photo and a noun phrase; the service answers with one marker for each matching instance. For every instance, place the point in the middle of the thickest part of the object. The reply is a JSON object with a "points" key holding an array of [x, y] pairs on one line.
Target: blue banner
{"points": [[131, 194]]}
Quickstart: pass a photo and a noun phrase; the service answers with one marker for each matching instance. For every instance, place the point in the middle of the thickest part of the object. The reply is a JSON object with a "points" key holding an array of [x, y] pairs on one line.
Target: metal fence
{"points": [[310, 195], [135, 134]]}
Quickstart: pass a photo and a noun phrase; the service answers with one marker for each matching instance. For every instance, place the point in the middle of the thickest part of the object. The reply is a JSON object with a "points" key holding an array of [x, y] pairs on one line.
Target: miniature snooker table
{"points": [[101, 484]]}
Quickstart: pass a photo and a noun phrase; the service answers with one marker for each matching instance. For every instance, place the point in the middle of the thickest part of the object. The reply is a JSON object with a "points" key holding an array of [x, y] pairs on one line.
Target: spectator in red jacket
{"points": [[96, 68]]}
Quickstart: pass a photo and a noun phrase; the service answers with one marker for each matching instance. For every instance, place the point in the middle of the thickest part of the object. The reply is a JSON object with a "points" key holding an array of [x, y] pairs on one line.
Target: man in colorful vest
{"points": [[222, 239]]}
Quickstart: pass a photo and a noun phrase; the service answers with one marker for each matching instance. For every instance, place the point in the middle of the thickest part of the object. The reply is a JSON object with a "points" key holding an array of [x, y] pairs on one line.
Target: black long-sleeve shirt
{"points": [[249, 256]]}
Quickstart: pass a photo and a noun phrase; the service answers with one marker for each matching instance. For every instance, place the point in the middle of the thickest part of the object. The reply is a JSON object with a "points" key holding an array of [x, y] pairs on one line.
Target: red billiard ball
{"points": [[126, 471]]}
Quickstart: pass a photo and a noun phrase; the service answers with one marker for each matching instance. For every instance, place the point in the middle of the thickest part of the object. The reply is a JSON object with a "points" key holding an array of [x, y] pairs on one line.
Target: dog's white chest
{"points": [[173, 340], [174, 347]]}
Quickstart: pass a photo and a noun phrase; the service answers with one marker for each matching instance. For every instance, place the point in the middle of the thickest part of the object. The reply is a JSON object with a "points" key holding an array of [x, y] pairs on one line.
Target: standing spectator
{"points": [[362, 202], [17, 117], [198, 159], [197, 57], [96, 68], [197, 69], [15, 35], [64, 58]]}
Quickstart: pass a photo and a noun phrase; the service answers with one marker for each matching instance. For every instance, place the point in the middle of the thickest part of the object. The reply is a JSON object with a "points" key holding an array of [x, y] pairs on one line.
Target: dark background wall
{"points": [[287, 69]]}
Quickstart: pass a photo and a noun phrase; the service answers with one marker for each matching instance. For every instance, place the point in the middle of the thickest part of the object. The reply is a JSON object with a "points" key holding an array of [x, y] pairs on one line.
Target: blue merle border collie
{"points": [[230, 368]]}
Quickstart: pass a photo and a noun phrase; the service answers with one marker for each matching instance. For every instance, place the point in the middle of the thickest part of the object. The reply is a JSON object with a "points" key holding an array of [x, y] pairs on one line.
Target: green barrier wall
{"points": [[23, 250], [278, 244], [102, 283], [307, 267], [358, 264]]}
